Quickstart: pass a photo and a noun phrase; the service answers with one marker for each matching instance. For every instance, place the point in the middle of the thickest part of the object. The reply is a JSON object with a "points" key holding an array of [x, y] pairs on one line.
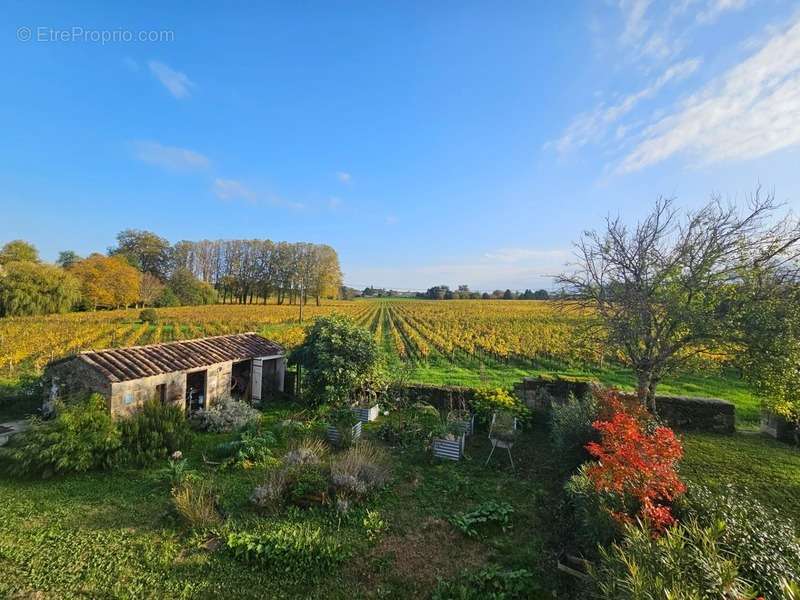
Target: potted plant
{"points": [[462, 420], [459, 416], [448, 441], [366, 410], [343, 427]]}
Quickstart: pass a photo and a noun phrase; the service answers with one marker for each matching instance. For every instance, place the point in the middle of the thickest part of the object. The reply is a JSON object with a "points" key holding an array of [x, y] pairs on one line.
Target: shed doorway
{"points": [[195, 391], [240, 380]]}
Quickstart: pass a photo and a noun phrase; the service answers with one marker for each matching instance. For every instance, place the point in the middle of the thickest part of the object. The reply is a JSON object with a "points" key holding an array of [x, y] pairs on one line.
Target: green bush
{"points": [[149, 315], [153, 433], [252, 447], [487, 401], [341, 361], [764, 541], [490, 582], [594, 524], [295, 549], [308, 485], [687, 562], [82, 437], [571, 429]]}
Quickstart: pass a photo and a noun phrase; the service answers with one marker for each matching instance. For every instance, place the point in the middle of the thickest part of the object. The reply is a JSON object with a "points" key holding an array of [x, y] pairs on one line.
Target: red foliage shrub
{"points": [[635, 464]]}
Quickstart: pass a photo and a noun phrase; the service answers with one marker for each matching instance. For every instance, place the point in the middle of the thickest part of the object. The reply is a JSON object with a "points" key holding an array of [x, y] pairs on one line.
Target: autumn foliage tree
{"points": [[637, 463], [107, 282]]}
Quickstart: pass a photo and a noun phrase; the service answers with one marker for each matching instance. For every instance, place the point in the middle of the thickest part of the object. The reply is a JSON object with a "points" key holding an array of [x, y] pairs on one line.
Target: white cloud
{"points": [[178, 84], [634, 13], [715, 8], [751, 110], [170, 158], [344, 176], [591, 127], [231, 189]]}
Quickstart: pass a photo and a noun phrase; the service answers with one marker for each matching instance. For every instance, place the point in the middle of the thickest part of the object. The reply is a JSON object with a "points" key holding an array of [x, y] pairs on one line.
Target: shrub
{"points": [[489, 582], [271, 494], [763, 540], [637, 466], [82, 437], [196, 502], [306, 452], [307, 485], [149, 315], [253, 447], [358, 471], [686, 563], [592, 510], [571, 429], [340, 361], [295, 549], [487, 401], [226, 415], [498, 513], [153, 433]]}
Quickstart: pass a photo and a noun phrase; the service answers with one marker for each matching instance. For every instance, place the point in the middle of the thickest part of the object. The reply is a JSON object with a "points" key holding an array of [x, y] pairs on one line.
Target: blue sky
{"points": [[447, 142]]}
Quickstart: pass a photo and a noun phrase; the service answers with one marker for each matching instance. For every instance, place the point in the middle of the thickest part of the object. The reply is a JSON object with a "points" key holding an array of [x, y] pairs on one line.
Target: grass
{"points": [[116, 535], [768, 469]]}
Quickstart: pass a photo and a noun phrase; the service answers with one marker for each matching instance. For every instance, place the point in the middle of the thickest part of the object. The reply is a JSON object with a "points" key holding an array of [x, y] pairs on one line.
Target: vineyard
{"points": [[517, 333], [453, 342]]}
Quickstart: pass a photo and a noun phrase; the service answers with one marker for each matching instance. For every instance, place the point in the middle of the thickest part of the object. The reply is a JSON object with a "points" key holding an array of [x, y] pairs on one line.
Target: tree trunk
{"points": [[651, 394], [643, 386]]}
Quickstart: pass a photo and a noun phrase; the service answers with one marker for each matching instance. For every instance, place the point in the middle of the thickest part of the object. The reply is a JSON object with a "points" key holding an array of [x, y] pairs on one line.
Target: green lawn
{"points": [[768, 469]]}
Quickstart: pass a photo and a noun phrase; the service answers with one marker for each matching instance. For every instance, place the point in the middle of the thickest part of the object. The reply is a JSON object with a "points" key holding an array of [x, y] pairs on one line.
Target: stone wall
{"points": [[128, 396], [72, 377], [441, 396], [697, 414]]}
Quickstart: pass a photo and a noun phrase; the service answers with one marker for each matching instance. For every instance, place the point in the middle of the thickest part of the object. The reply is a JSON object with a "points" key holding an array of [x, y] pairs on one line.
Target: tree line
{"points": [[145, 269], [443, 292]]}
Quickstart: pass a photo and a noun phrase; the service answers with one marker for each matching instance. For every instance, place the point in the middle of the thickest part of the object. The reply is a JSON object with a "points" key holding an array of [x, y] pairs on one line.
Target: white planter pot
{"points": [[467, 426], [365, 415], [335, 436], [449, 449]]}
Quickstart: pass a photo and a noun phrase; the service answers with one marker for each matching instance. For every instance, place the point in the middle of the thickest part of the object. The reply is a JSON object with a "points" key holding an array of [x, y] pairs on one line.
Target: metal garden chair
{"points": [[502, 433]]}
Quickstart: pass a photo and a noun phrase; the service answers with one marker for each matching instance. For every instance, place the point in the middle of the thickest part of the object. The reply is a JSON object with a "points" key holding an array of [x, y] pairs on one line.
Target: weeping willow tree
{"points": [[29, 288]]}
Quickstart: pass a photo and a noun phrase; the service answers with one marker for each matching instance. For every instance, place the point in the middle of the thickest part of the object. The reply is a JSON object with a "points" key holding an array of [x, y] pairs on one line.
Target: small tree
{"points": [[671, 288], [29, 288], [18, 251], [340, 360]]}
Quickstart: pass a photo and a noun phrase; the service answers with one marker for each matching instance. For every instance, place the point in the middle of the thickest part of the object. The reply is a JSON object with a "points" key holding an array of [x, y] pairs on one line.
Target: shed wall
{"points": [[218, 379]]}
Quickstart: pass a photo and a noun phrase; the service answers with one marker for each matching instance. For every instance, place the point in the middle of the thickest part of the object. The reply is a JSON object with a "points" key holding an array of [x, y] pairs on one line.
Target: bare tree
{"points": [[671, 288]]}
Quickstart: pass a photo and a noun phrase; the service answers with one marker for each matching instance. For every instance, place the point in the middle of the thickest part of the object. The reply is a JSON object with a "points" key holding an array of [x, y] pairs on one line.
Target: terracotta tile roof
{"points": [[135, 362]]}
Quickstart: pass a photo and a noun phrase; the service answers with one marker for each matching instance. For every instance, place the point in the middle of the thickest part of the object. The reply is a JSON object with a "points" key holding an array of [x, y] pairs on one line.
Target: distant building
{"points": [[192, 374]]}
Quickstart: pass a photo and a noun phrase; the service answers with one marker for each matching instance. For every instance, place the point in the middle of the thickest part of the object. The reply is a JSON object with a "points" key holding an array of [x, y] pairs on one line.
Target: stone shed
{"points": [[192, 374]]}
